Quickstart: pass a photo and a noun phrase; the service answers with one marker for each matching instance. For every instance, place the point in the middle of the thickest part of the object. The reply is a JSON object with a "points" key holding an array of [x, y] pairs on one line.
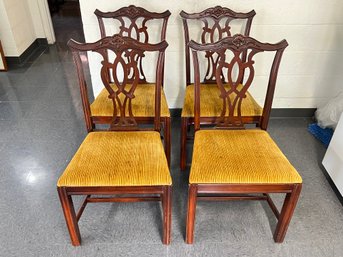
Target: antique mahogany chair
{"points": [[134, 22], [128, 162], [217, 23], [231, 162]]}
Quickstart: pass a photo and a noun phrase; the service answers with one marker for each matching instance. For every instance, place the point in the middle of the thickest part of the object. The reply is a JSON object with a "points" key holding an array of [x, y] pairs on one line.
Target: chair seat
{"points": [[211, 105], [239, 157], [143, 105], [118, 159]]}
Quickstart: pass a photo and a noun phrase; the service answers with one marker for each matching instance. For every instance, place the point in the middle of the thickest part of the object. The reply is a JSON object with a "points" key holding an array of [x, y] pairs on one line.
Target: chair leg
{"points": [[183, 153], [70, 216], [286, 213], [167, 140], [167, 211], [192, 201]]}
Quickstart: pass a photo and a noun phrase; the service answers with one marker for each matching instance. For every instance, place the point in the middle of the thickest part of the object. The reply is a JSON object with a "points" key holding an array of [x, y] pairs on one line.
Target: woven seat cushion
{"points": [[211, 104], [143, 105], [239, 156], [118, 159]]}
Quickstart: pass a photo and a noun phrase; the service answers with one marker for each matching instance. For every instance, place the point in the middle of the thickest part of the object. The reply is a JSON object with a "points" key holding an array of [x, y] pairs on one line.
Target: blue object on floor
{"points": [[323, 135]]}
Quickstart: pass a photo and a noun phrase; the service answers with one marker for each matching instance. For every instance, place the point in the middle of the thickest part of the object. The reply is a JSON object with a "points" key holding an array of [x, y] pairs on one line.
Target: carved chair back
{"points": [[217, 24], [233, 92], [120, 87], [133, 23]]}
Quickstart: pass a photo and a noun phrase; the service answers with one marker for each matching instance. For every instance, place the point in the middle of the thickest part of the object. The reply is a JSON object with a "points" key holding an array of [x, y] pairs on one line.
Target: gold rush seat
{"points": [[103, 160], [224, 159]]}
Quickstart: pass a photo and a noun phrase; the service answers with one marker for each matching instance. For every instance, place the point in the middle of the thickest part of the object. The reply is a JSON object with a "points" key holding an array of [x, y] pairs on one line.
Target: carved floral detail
{"points": [[115, 42], [131, 12], [218, 11], [239, 41]]}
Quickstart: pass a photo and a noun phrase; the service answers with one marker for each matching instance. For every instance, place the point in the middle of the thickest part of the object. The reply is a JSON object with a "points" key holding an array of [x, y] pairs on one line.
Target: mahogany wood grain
{"points": [[123, 199], [191, 210], [82, 208], [167, 214], [286, 213], [70, 216]]}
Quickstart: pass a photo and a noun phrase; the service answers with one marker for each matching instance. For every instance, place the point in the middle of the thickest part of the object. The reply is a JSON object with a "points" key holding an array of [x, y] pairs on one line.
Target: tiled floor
{"points": [[41, 126]]}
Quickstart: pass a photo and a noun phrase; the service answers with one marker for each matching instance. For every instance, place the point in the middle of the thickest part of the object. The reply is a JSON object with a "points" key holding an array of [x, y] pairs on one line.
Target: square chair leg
{"points": [[167, 212], [70, 216], [192, 201], [286, 214]]}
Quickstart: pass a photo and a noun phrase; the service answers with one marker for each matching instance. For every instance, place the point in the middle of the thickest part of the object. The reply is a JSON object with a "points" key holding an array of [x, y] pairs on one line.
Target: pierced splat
{"points": [[211, 34], [233, 87], [122, 92], [234, 91], [133, 23], [136, 29], [216, 26], [126, 52]]}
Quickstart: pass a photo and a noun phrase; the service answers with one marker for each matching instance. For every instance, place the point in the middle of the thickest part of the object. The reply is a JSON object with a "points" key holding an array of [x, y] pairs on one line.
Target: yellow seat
{"points": [[211, 105], [118, 159], [143, 105], [239, 156]]}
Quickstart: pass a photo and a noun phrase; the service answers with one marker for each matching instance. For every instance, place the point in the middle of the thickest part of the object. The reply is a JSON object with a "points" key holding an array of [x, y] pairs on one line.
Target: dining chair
{"points": [[230, 161], [134, 22], [209, 26], [127, 163]]}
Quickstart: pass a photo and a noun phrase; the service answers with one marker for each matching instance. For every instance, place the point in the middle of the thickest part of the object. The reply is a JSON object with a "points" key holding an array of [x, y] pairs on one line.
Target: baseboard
{"points": [[276, 113], [292, 112], [175, 112], [29, 55]]}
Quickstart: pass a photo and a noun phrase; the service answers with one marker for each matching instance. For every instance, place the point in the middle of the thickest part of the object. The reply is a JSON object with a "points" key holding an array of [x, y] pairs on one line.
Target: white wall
{"points": [[311, 70], [21, 22], [6, 36], [41, 19]]}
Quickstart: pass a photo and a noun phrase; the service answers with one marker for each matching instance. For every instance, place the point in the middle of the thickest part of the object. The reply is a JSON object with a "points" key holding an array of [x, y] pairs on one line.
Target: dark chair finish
{"points": [[138, 18], [133, 23], [229, 161], [119, 162], [216, 24]]}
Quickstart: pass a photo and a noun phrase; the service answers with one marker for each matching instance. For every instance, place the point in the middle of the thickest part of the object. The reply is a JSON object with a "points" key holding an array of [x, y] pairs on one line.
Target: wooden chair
{"points": [[133, 23], [231, 162], [126, 160], [217, 24]]}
